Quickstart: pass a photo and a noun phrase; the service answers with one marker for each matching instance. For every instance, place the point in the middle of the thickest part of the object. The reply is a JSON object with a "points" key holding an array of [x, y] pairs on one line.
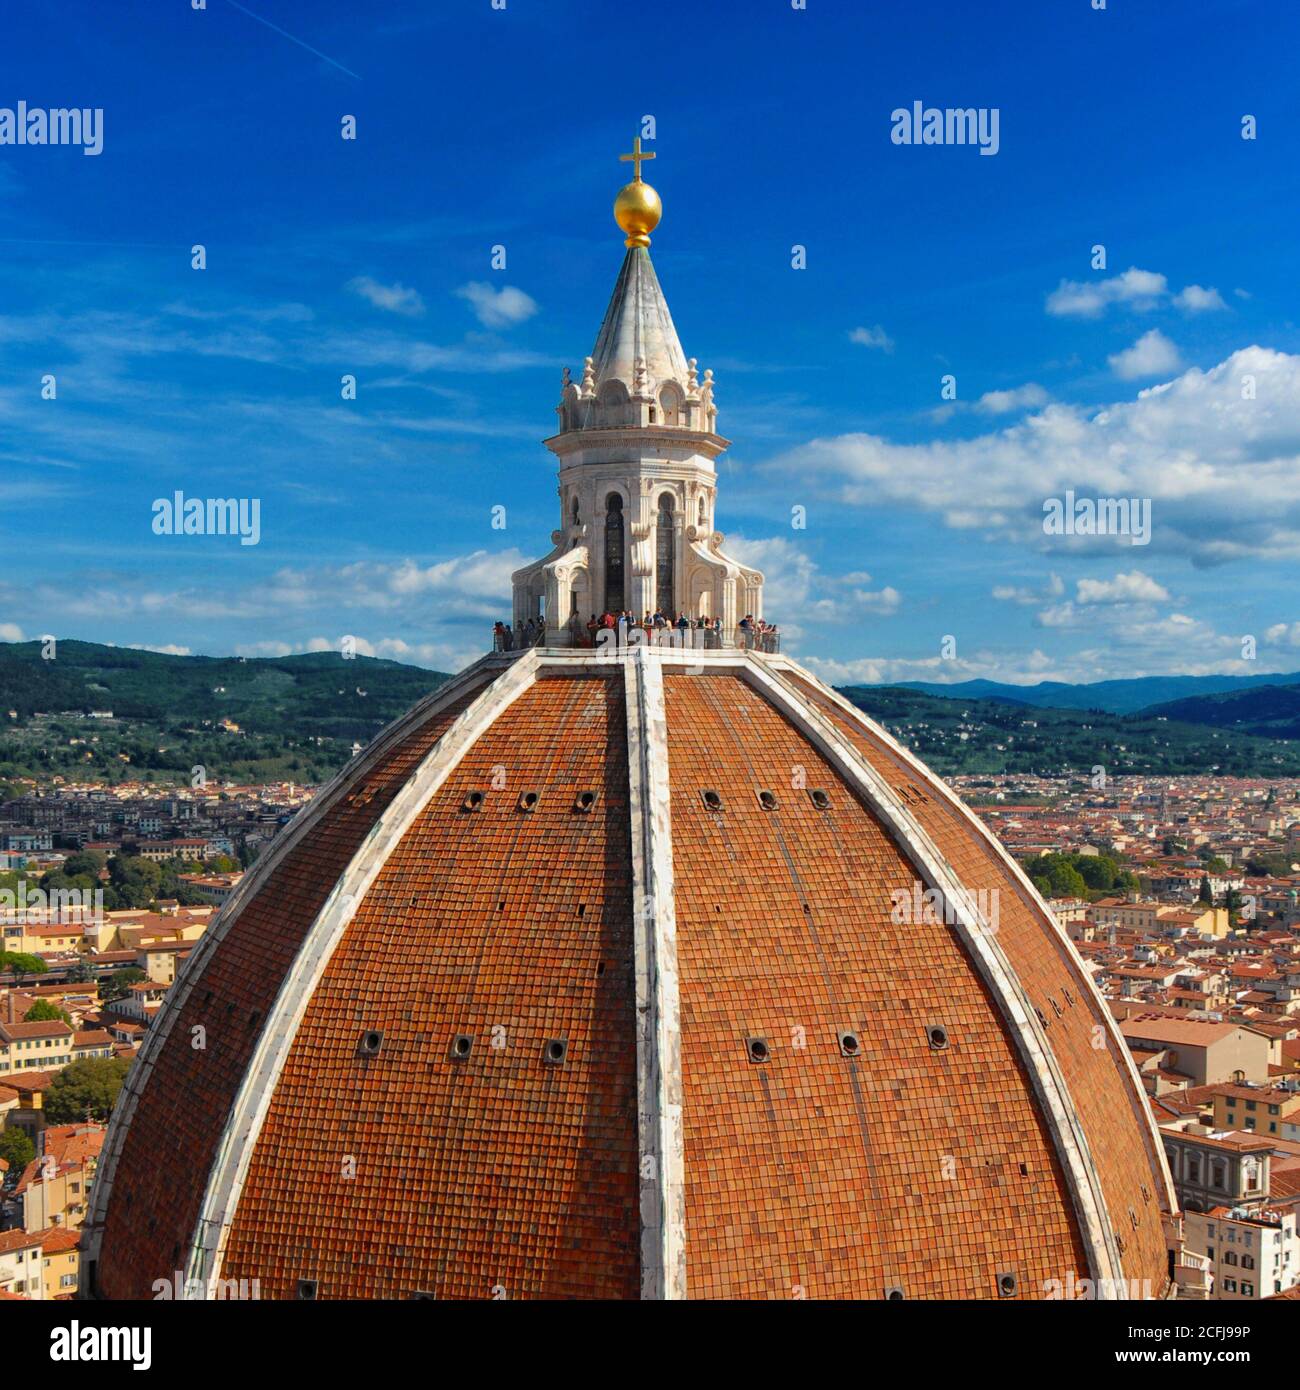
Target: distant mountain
{"points": [[1115, 697], [1271, 711], [995, 735]]}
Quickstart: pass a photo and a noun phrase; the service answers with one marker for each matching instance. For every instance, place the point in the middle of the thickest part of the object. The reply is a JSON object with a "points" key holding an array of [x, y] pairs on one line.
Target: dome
{"points": [[623, 976]]}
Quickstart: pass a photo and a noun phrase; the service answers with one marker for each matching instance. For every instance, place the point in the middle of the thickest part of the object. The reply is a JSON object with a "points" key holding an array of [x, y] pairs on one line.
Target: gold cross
{"points": [[636, 157]]}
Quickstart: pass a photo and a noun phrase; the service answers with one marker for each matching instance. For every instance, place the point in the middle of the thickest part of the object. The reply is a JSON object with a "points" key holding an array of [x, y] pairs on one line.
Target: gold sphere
{"points": [[637, 210]]}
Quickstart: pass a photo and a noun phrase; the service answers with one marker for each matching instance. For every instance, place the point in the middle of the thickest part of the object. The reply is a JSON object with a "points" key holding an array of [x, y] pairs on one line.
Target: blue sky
{"points": [[478, 127]]}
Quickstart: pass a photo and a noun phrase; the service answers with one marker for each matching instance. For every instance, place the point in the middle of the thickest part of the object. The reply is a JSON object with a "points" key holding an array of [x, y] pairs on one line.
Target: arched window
{"points": [[614, 554], [573, 511], [664, 549], [703, 517], [670, 402]]}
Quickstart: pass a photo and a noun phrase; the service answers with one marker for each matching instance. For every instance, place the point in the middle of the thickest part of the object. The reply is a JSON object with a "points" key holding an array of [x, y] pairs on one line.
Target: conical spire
{"points": [[638, 329]]}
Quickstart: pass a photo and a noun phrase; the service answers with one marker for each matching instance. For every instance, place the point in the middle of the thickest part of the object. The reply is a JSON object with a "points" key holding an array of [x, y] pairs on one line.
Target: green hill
{"points": [[1272, 711], [297, 716]]}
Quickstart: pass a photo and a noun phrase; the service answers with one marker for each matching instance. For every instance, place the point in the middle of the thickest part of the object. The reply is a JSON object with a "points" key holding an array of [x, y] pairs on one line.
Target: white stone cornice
{"points": [[248, 1113], [980, 939], [249, 886], [647, 439], [661, 1151]]}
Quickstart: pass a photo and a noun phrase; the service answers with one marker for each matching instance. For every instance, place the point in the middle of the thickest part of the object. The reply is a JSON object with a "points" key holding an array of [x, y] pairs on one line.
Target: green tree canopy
{"points": [[22, 963], [86, 861], [16, 1148], [135, 880], [114, 986], [89, 1085], [44, 1012]]}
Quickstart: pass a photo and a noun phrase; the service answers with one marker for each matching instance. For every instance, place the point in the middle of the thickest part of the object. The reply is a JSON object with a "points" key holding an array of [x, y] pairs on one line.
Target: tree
{"points": [[16, 1148], [1232, 901], [79, 974], [1098, 870], [135, 880], [20, 963], [86, 861], [1206, 894], [116, 985], [89, 1085], [1067, 882], [44, 1012]]}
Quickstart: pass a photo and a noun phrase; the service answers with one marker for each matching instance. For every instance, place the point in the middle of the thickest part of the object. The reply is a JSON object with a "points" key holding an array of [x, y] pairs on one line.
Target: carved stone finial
{"points": [[589, 377], [692, 381], [564, 377]]}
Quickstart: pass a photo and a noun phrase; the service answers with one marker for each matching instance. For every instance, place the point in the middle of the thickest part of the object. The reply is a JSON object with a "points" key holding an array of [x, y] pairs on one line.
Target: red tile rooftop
{"points": [[1175, 1030], [17, 1240], [55, 1239], [28, 1080], [51, 1028]]}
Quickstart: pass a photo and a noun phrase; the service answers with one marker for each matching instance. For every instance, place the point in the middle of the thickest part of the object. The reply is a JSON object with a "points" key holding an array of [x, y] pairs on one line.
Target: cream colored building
{"points": [[21, 1270], [35, 1046]]}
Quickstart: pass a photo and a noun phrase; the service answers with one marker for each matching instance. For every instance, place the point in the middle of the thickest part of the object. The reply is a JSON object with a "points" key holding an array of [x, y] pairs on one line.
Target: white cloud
{"points": [[501, 308], [793, 584], [431, 655], [1133, 587], [268, 647], [873, 338], [1027, 597], [1283, 635], [1197, 300], [1151, 355], [396, 299], [1088, 299], [1022, 669], [1028, 396], [1220, 470], [10, 632]]}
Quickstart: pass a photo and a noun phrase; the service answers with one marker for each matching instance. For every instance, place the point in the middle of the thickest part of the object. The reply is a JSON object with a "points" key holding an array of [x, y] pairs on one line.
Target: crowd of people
{"points": [[527, 634], [752, 633]]}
